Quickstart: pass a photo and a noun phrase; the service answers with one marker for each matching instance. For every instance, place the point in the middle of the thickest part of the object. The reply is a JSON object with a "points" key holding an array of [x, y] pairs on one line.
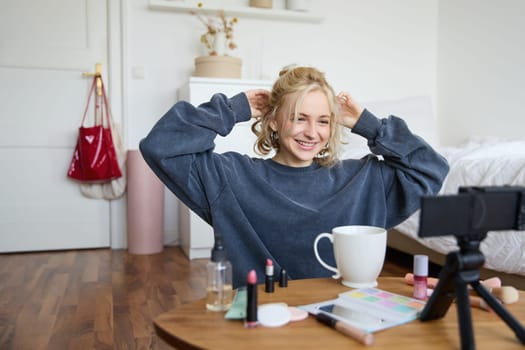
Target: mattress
{"points": [[482, 162]]}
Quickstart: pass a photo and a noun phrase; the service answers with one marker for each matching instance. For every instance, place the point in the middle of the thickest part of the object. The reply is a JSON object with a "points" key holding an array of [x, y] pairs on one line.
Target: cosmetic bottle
{"points": [[420, 276], [219, 288]]}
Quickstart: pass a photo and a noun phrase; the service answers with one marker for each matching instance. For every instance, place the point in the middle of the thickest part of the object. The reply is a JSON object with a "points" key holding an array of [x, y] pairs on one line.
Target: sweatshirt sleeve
{"points": [[411, 168], [179, 148]]}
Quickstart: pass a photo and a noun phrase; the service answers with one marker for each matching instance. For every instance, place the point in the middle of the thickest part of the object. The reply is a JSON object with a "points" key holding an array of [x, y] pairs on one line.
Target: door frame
{"points": [[117, 66]]}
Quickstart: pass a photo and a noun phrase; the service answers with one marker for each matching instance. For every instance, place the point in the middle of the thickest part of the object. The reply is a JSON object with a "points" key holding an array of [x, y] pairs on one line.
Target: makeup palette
{"points": [[370, 309]]}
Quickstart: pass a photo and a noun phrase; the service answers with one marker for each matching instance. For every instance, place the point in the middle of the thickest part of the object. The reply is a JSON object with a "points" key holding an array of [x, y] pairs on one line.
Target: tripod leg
{"points": [[452, 285], [464, 317], [443, 295], [502, 312]]}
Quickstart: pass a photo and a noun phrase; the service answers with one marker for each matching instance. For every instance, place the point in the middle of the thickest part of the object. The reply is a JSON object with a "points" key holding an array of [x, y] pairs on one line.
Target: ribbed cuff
{"points": [[241, 107], [367, 126]]}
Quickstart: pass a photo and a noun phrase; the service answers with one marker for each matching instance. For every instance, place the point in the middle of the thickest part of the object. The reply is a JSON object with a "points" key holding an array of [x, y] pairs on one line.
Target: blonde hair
{"points": [[288, 92]]}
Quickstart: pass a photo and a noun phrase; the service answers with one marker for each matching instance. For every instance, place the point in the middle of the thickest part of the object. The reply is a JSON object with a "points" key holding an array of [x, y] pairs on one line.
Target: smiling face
{"points": [[301, 138]]}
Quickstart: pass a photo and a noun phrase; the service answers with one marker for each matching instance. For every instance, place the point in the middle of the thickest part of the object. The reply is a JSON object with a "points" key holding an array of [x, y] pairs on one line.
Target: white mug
{"points": [[359, 253]]}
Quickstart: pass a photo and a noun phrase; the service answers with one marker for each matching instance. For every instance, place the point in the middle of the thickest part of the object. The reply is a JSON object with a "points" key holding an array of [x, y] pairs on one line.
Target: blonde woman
{"points": [[274, 207]]}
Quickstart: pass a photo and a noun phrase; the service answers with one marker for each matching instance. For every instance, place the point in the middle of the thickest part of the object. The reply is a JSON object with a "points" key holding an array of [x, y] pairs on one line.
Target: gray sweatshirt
{"points": [[264, 209]]}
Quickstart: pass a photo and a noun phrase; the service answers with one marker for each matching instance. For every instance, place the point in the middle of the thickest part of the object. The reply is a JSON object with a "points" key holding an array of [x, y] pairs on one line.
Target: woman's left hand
{"points": [[259, 100], [350, 110]]}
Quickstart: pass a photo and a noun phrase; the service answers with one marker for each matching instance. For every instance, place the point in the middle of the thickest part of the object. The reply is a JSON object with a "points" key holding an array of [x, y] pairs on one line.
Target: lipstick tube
{"points": [[269, 279], [251, 300], [283, 278]]}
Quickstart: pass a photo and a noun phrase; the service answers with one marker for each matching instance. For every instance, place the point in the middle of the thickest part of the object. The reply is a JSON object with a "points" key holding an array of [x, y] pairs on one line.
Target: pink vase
{"points": [[145, 211]]}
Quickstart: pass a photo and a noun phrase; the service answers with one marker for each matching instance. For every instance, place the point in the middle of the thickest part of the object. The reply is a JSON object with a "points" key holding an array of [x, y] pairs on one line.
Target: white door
{"points": [[44, 48]]}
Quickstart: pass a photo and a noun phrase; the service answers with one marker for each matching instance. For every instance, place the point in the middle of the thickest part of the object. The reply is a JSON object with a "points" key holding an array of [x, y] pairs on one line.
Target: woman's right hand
{"points": [[350, 110], [259, 100]]}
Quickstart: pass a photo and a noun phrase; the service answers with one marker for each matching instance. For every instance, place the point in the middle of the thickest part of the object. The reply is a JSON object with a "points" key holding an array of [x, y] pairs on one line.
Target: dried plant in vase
{"points": [[219, 34]]}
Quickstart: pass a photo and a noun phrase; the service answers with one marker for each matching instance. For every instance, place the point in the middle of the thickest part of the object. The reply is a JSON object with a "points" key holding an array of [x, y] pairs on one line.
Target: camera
{"points": [[469, 216], [473, 212]]}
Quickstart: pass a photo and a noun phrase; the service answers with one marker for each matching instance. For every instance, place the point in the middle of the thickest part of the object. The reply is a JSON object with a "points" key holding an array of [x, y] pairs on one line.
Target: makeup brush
{"points": [[476, 301], [432, 281], [505, 294], [492, 282]]}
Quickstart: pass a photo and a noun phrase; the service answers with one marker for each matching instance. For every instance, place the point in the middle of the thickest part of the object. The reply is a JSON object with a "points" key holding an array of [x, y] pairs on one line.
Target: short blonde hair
{"points": [[288, 92]]}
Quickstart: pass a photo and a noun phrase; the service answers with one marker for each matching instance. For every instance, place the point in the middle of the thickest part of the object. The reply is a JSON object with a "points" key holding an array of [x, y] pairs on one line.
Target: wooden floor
{"points": [[101, 299]]}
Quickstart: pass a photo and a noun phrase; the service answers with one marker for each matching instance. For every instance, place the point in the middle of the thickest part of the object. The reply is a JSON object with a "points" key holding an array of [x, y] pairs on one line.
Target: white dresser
{"points": [[196, 235]]}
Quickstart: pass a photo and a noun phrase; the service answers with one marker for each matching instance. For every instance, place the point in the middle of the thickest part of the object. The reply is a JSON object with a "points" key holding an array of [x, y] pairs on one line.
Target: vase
{"points": [[298, 5], [218, 67], [219, 43]]}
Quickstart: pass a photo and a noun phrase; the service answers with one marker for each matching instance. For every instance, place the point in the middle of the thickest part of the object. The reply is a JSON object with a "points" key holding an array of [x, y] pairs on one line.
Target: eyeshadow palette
{"points": [[370, 309]]}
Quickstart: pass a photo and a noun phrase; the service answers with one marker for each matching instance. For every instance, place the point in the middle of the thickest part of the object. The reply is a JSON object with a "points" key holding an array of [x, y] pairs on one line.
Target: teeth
{"points": [[307, 144]]}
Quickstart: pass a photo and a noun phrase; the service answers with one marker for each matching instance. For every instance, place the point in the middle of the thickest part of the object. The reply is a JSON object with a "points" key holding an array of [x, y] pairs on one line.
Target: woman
{"points": [[275, 207]]}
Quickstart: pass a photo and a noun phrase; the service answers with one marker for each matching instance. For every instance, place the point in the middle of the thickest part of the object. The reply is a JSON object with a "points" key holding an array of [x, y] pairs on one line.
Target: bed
{"points": [[480, 161]]}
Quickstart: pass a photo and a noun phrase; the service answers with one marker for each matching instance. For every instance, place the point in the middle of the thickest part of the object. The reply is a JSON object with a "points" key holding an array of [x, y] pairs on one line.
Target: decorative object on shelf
{"points": [[218, 40], [218, 37], [219, 44], [265, 4], [298, 5], [218, 67]]}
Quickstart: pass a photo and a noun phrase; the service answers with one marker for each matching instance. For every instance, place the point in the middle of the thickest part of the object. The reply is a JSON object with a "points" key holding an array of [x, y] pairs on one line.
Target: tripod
{"points": [[462, 269]]}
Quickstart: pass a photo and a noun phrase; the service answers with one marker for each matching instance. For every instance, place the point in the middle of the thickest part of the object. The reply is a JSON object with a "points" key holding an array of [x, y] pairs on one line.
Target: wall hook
{"points": [[97, 75]]}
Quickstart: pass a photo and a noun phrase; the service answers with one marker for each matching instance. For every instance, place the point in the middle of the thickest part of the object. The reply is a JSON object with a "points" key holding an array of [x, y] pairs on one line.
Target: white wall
{"points": [[467, 55], [377, 49], [481, 69]]}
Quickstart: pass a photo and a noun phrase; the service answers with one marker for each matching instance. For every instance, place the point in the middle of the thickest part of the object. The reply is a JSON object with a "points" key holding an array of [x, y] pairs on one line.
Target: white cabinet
{"points": [[195, 234]]}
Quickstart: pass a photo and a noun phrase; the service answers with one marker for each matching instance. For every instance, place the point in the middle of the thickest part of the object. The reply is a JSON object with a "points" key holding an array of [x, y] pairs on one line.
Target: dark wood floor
{"points": [[101, 299]]}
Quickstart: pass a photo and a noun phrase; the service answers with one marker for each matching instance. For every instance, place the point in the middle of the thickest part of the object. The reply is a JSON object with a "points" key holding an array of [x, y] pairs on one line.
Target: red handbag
{"points": [[94, 158]]}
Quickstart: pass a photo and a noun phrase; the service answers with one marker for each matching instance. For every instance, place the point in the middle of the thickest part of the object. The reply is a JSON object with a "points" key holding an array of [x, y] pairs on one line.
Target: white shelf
{"points": [[186, 6]]}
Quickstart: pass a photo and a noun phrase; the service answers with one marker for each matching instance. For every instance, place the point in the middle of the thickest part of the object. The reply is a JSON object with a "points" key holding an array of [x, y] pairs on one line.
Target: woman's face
{"points": [[303, 138]]}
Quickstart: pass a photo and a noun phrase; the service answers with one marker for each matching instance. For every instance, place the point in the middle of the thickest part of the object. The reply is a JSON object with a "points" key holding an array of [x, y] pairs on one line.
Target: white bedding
{"points": [[483, 162]]}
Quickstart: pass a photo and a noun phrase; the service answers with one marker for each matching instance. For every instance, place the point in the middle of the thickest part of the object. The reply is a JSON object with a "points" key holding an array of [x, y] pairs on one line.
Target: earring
{"points": [[274, 137], [323, 153]]}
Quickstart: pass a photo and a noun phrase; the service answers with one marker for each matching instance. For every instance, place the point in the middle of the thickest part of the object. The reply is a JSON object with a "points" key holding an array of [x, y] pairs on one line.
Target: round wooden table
{"points": [[191, 326]]}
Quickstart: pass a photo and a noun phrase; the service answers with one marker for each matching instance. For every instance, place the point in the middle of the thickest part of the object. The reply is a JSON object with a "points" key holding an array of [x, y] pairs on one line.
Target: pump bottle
{"points": [[219, 288]]}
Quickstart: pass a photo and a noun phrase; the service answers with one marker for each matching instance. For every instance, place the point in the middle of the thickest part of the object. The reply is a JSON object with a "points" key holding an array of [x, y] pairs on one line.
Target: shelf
{"points": [[186, 6]]}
